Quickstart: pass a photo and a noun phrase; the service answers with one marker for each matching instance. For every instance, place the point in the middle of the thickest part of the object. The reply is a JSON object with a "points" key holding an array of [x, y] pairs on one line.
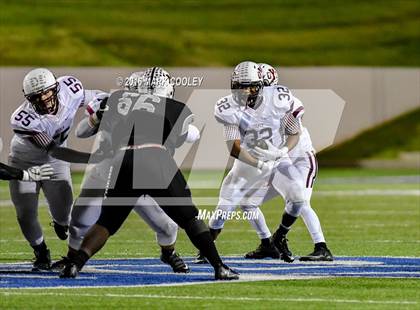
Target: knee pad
{"points": [[294, 208], [296, 193], [248, 208], [195, 227]]}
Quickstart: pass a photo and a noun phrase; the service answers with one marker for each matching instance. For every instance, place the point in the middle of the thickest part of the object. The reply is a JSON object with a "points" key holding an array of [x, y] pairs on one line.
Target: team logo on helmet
{"points": [[40, 88]]}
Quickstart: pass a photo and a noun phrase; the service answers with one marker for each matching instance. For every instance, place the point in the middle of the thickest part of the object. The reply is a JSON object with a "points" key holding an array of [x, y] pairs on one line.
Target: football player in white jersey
{"points": [[254, 118], [304, 159], [41, 125], [87, 209]]}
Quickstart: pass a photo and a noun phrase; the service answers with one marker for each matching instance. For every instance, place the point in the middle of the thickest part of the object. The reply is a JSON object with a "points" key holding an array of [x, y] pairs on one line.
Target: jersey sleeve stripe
{"points": [[42, 140], [25, 132], [89, 109], [297, 111]]}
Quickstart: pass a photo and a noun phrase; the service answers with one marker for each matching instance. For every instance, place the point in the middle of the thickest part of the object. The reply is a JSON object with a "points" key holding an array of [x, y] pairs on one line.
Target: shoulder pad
{"points": [[281, 95], [226, 111], [297, 108], [25, 119], [71, 86]]}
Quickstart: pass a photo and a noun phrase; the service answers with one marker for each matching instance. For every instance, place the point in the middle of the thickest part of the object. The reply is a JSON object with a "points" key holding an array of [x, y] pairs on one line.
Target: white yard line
{"points": [[222, 298], [207, 201]]}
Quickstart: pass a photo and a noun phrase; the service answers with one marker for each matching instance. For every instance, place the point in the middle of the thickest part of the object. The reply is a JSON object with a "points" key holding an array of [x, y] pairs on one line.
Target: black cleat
{"points": [[70, 270], [200, 259], [60, 230], [280, 242], [263, 252], [42, 260], [320, 254], [60, 264], [176, 262], [224, 273]]}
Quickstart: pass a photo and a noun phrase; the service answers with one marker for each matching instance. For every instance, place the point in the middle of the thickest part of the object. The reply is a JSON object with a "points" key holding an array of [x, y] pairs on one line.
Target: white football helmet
{"points": [[269, 74], [157, 81], [40, 88], [246, 83], [134, 80]]}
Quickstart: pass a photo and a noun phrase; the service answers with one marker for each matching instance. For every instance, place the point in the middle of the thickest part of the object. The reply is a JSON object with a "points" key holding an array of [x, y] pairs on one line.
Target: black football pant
{"points": [[150, 171]]}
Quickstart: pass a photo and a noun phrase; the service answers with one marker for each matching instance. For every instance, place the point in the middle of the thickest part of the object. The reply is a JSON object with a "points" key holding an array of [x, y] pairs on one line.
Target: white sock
{"points": [[258, 222], [312, 223]]}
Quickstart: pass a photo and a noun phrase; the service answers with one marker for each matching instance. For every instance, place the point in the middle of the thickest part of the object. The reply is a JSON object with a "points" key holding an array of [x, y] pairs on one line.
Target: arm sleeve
{"points": [[69, 155], [231, 132], [10, 173], [86, 129]]}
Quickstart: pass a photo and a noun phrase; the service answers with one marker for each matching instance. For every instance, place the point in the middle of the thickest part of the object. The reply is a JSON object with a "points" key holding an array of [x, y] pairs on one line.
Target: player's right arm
{"points": [[89, 126], [225, 114]]}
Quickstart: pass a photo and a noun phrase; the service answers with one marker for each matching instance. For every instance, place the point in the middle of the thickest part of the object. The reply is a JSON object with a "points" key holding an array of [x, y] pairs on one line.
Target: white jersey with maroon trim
{"points": [[268, 120], [34, 132], [305, 143]]}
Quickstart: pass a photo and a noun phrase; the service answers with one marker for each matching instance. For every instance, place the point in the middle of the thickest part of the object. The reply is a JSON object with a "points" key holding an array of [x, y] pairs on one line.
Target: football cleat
{"points": [[60, 264], [263, 252], [60, 230], [280, 242], [176, 262], [320, 254], [200, 259], [70, 270], [42, 260], [224, 273]]}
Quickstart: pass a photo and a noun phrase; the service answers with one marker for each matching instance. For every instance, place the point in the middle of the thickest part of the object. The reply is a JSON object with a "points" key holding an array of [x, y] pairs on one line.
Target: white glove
{"points": [[266, 167], [272, 153], [193, 134], [38, 173]]}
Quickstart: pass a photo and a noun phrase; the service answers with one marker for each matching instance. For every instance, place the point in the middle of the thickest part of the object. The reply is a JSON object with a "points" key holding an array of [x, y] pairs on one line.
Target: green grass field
{"points": [[363, 213], [203, 33], [370, 143]]}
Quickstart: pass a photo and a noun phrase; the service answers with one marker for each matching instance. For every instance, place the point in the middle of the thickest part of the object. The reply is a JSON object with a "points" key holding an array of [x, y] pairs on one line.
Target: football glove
{"points": [[271, 153], [266, 167], [38, 173]]}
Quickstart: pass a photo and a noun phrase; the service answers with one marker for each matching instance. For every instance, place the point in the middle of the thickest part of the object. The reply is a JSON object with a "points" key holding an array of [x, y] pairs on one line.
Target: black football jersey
{"points": [[134, 119]]}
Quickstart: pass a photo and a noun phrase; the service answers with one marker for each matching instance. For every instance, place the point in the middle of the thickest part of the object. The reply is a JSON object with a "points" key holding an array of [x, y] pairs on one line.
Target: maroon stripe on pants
{"points": [[311, 169], [316, 168]]}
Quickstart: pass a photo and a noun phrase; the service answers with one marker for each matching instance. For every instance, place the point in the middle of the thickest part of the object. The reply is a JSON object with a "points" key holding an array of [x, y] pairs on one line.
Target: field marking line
{"points": [[366, 192], [188, 297]]}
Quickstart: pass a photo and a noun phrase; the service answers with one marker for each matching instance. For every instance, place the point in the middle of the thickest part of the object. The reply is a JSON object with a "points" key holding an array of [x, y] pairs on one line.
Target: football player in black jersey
{"points": [[142, 131]]}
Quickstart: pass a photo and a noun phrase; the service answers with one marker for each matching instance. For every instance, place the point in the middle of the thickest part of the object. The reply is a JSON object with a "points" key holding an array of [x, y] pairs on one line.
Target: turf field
{"points": [[363, 212]]}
